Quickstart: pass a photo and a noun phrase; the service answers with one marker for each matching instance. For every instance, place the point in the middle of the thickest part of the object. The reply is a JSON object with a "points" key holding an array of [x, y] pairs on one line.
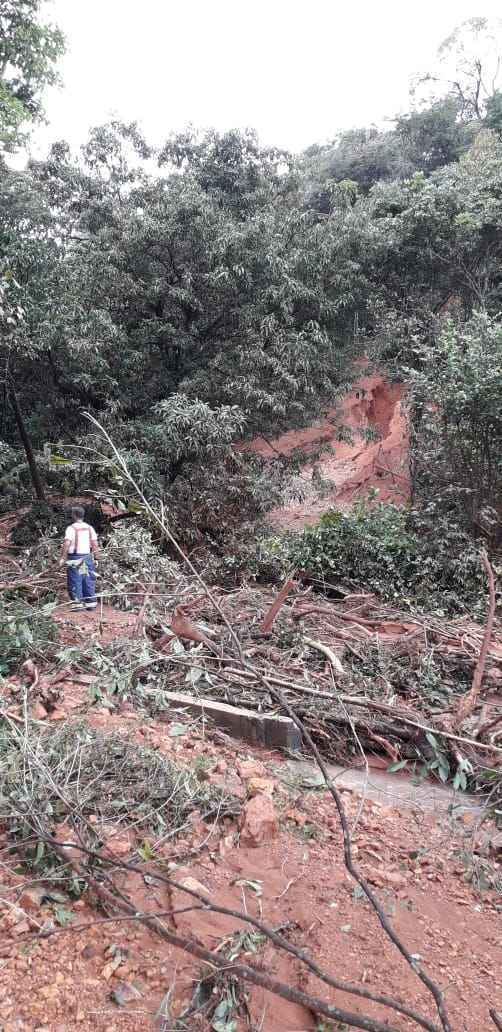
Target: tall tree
{"points": [[29, 49], [468, 67]]}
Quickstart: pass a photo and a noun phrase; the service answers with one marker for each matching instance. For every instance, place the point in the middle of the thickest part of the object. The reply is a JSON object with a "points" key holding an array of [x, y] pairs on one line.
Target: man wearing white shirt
{"points": [[80, 549]]}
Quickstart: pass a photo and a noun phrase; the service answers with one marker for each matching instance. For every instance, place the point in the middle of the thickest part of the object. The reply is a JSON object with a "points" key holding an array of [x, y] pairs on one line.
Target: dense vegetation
{"points": [[191, 295]]}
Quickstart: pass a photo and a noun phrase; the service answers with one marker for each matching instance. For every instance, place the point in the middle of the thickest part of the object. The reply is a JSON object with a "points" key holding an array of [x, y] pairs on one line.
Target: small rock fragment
{"points": [[38, 711], [260, 786], [124, 993], [111, 967], [258, 821], [250, 769], [195, 886]]}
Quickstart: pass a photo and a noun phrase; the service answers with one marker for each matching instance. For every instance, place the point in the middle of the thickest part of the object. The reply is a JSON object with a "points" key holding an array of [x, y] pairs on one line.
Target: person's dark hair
{"points": [[78, 512]]}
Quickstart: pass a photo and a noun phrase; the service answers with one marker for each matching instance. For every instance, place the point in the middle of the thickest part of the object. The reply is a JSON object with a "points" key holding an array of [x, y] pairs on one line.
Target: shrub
{"points": [[407, 557], [368, 548], [24, 631], [46, 520], [456, 422]]}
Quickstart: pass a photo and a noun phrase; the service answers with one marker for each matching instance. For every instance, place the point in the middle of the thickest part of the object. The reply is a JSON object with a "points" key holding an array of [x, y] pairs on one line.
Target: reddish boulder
{"points": [[260, 786], [250, 769], [258, 821]]}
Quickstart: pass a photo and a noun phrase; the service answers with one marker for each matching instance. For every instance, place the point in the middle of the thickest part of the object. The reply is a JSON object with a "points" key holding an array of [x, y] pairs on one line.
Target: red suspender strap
{"points": [[77, 549]]}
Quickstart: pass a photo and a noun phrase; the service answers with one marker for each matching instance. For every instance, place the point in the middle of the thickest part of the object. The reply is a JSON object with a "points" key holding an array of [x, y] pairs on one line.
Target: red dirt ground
{"points": [[355, 467], [413, 859]]}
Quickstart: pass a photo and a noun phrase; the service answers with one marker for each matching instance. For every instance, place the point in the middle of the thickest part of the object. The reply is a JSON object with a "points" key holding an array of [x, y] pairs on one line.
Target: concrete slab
{"points": [[265, 729]]}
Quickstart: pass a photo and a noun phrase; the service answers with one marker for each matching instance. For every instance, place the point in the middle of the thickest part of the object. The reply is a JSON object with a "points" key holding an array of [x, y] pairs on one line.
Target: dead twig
{"points": [[335, 662]]}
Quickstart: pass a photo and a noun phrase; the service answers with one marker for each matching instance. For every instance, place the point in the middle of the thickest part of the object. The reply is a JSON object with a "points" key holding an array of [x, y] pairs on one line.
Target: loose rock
{"points": [[260, 786], [258, 821]]}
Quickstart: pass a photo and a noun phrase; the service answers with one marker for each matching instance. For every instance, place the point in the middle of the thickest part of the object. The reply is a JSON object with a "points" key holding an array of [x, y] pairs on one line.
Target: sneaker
{"points": [[76, 606], [90, 605]]}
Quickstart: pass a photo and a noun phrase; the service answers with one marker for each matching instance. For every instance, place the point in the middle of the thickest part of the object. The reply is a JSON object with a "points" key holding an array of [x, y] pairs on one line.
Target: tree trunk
{"points": [[23, 433]]}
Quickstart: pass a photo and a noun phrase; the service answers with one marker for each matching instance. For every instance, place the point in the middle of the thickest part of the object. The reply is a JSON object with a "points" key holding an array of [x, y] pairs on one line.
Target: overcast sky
{"points": [[296, 70]]}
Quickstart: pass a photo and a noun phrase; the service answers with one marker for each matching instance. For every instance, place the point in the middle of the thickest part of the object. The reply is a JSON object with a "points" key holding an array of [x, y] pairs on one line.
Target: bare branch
{"points": [[356, 874], [469, 701]]}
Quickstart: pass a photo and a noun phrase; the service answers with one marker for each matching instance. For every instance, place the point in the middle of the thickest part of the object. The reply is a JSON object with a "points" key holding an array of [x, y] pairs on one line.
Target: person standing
{"points": [[79, 551]]}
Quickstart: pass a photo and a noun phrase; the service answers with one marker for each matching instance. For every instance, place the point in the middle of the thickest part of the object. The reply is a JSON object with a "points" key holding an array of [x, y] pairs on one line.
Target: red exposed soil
{"points": [[416, 861], [354, 467], [413, 859]]}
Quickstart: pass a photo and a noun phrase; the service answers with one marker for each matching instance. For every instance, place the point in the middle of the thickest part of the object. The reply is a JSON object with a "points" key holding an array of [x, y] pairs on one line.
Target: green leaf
{"points": [[397, 765], [56, 897], [59, 460], [224, 1007], [146, 852], [63, 916], [40, 852], [255, 885]]}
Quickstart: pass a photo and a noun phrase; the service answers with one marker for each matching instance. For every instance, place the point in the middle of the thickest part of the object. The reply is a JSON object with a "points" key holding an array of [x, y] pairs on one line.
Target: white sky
{"points": [[296, 70]]}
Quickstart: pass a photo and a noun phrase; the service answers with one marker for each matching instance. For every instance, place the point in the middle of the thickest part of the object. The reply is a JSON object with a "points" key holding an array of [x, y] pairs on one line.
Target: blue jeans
{"points": [[82, 581]]}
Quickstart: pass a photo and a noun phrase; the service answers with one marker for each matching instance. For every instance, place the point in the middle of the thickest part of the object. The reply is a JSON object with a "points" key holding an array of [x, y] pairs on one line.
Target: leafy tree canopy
{"points": [[29, 49]]}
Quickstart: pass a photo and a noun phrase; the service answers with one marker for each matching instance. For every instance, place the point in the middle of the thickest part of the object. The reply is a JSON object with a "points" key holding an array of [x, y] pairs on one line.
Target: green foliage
{"points": [[359, 156], [130, 559], [44, 520], [403, 557], [29, 49], [434, 136], [370, 547], [493, 119], [455, 399], [25, 631], [107, 777]]}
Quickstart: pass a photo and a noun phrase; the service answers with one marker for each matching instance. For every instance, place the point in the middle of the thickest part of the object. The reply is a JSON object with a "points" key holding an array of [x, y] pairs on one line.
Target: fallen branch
{"points": [[362, 701], [64, 850], [25, 582], [335, 662], [271, 614], [298, 614], [356, 874], [468, 703], [496, 1018], [9, 559]]}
